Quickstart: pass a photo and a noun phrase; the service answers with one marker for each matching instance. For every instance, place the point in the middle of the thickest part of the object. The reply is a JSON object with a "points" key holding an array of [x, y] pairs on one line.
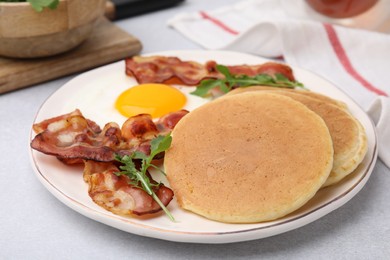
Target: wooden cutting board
{"points": [[108, 43]]}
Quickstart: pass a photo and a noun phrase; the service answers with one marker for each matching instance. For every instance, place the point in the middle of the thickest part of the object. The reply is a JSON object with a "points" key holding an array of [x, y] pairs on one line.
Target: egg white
{"points": [[96, 100]]}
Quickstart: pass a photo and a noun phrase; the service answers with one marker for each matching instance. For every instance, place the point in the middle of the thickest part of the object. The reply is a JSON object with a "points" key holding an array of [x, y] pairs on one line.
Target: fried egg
{"points": [[116, 99], [153, 99]]}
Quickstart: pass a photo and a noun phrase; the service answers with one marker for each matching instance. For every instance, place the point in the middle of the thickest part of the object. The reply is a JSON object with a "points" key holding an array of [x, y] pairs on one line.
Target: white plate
{"points": [[66, 183]]}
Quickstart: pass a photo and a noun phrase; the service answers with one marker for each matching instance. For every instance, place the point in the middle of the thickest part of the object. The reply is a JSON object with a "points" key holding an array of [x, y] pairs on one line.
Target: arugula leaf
{"points": [[139, 177], [160, 144], [139, 155], [205, 86], [39, 5], [233, 81]]}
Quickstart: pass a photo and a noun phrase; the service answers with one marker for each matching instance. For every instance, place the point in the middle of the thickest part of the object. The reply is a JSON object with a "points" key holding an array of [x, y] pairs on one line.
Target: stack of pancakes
{"points": [[259, 153]]}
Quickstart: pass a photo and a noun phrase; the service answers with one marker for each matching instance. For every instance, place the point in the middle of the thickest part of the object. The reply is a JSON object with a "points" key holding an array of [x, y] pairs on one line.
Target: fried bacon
{"points": [[166, 123], [159, 69], [115, 194], [71, 137], [269, 68], [172, 70], [42, 126], [139, 127]]}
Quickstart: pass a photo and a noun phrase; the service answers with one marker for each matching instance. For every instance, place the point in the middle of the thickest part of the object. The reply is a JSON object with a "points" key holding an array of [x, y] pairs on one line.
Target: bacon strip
{"points": [[74, 139], [166, 123], [269, 68], [42, 126], [115, 194], [172, 70], [72, 136]]}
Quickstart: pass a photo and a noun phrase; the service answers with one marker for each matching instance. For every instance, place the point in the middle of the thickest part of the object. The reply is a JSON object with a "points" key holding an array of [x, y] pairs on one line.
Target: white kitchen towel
{"points": [[356, 60]]}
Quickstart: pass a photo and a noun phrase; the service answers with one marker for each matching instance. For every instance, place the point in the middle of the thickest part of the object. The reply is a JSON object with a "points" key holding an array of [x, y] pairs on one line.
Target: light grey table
{"points": [[35, 225]]}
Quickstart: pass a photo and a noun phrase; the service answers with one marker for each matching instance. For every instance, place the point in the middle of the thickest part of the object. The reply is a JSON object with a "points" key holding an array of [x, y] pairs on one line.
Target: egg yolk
{"points": [[154, 99]]}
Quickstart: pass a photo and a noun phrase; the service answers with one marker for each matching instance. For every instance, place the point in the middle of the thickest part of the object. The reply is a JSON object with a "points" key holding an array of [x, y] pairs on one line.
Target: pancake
{"points": [[232, 160], [348, 135], [307, 93]]}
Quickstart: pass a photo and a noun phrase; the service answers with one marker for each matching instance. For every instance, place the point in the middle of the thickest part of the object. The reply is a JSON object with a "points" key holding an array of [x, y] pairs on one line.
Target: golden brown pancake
{"points": [[296, 90], [348, 135], [233, 159]]}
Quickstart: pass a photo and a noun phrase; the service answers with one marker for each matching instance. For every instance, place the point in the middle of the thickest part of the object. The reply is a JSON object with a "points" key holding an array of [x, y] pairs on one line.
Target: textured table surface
{"points": [[35, 225]]}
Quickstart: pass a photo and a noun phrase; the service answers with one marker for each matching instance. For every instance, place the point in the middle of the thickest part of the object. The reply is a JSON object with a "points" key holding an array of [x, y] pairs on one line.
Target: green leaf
{"points": [[157, 168], [54, 4], [167, 212], [225, 88], [205, 86], [139, 155], [224, 70], [139, 177], [160, 144], [39, 5], [281, 78], [145, 182], [264, 78], [233, 81]]}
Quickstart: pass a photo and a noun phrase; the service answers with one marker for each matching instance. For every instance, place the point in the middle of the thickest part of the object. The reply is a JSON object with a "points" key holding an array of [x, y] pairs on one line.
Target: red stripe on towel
{"points": [[218, 23], [344, 60]]}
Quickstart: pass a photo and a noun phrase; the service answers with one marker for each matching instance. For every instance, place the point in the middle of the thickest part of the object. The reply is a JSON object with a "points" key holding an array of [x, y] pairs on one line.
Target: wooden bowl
{"points": [[25, 33]]}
